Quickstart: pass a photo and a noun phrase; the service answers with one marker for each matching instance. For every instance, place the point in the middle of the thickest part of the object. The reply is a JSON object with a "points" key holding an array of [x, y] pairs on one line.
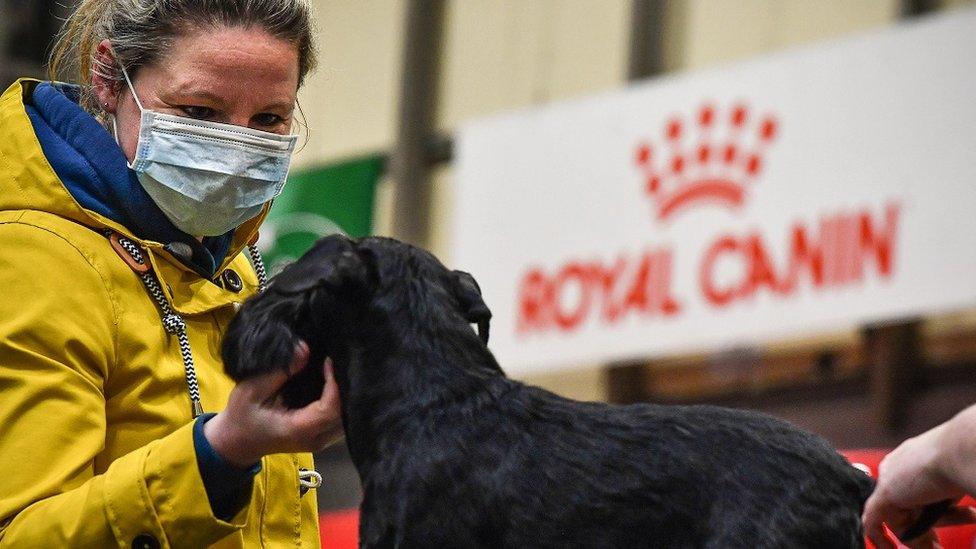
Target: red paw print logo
{"points": [[713, 159]]}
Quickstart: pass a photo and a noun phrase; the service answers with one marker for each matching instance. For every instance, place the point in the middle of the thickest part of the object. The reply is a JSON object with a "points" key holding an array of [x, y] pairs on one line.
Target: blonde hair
{"points": [[141, 32]]}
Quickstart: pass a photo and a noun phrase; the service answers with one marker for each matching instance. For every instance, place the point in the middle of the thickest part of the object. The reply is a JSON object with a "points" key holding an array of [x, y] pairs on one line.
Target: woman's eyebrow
{"points": [[284, 106], [197, 93]]}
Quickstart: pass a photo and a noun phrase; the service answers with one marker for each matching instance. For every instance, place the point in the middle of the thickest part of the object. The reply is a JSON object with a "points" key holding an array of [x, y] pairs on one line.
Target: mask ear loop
{"points": [[132, 89]]}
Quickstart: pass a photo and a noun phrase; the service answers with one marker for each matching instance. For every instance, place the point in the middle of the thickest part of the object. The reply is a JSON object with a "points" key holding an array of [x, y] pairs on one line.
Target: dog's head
{"points": [[340, 286]]}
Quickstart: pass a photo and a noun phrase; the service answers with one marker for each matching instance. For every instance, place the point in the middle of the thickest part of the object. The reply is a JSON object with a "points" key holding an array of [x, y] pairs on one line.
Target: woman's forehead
{"points": [[232, 62]]}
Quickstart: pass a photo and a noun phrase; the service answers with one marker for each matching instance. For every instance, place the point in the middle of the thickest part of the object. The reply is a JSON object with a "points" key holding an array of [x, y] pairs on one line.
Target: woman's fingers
{"points": [[881, 535], [332, 408], [928, 540], [883, 538], [267, 387], [873, 518], [957, 516], [257, 404], [320, 422], [880, 519], [330, 391], [256, 422], [327, 405]]}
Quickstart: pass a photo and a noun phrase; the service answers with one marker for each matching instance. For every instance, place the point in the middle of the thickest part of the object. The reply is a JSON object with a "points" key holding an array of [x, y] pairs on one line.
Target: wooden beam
{"points": [[408, 163], [628, 382], [894, 359], [646, 55]]}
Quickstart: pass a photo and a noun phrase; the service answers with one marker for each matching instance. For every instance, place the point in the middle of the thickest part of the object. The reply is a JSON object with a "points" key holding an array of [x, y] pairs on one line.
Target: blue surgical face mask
{"points": [[206, 177]]}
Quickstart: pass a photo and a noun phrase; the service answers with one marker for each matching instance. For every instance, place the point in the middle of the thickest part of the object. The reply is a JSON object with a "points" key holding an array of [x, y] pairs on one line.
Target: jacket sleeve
{"points": [[58, 332], [228, 487]]}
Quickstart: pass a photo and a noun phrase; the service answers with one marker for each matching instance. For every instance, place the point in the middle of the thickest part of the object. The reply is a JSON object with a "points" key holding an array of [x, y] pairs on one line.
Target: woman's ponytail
{"points": [[73, 53]]}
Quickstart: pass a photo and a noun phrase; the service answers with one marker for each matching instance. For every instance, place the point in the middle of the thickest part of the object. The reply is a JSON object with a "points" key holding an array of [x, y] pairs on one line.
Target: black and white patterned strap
{"points": [[258, 263], [174, 324]]}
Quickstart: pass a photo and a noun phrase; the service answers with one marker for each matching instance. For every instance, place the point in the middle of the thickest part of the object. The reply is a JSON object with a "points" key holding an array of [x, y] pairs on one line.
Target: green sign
{"points": [[318, 202]]}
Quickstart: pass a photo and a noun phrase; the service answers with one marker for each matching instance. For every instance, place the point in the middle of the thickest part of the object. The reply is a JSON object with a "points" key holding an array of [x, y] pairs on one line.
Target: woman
{"points": [[125, 205]]}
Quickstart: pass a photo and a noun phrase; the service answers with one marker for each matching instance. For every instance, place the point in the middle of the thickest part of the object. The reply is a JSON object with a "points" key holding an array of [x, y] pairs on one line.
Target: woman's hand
{"points": [[257, 423], [909, 478]]}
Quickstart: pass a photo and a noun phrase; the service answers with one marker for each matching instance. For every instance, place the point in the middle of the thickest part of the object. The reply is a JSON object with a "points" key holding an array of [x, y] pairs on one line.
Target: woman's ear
{"points": [[105, 84]]}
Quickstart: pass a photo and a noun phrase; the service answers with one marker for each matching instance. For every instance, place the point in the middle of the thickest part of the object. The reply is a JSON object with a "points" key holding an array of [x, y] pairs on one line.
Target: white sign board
{"points": [[811, 190]]}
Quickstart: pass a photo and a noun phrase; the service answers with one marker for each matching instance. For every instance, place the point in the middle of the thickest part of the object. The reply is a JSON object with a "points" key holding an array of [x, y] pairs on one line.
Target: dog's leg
{"points": [[375, 529]]}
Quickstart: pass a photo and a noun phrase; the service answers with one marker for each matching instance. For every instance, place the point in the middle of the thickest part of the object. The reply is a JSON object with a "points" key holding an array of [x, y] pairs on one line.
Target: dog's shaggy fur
{"points": [[452, 453]]}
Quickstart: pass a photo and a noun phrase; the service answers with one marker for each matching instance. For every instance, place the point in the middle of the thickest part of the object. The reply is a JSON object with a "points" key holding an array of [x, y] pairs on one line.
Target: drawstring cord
{"points": [[174, 323], [308, 480], [258, 263]]}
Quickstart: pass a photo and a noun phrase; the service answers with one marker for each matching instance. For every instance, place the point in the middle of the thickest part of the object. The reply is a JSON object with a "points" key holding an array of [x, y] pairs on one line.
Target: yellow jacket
{"points": [[96, 445]]}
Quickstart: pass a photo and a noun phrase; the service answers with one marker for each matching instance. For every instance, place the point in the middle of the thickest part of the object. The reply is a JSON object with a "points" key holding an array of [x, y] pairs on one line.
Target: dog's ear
{"points": [[468, 294], [332, 263]]}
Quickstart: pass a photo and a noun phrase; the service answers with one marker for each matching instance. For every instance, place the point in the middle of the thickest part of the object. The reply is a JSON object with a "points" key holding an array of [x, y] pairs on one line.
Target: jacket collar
{"points": [[189, 294]]}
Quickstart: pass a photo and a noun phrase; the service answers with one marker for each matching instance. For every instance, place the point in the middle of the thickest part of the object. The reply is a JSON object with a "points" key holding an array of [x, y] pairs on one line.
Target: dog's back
{"points": [[520, 467]]}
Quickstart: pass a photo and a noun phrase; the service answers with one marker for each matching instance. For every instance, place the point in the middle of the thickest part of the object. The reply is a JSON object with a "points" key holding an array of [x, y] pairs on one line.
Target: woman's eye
{"points": [[200, 113], [268, 119]]}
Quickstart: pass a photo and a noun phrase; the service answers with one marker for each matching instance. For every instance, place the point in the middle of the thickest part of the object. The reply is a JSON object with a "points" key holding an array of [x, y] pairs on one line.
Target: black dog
{"points": [[452, 453]]}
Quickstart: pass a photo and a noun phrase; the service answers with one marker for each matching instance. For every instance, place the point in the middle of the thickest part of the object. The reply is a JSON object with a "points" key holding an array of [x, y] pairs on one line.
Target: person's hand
{"points": [[955, 516], [909, 478], [257, 423]]}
